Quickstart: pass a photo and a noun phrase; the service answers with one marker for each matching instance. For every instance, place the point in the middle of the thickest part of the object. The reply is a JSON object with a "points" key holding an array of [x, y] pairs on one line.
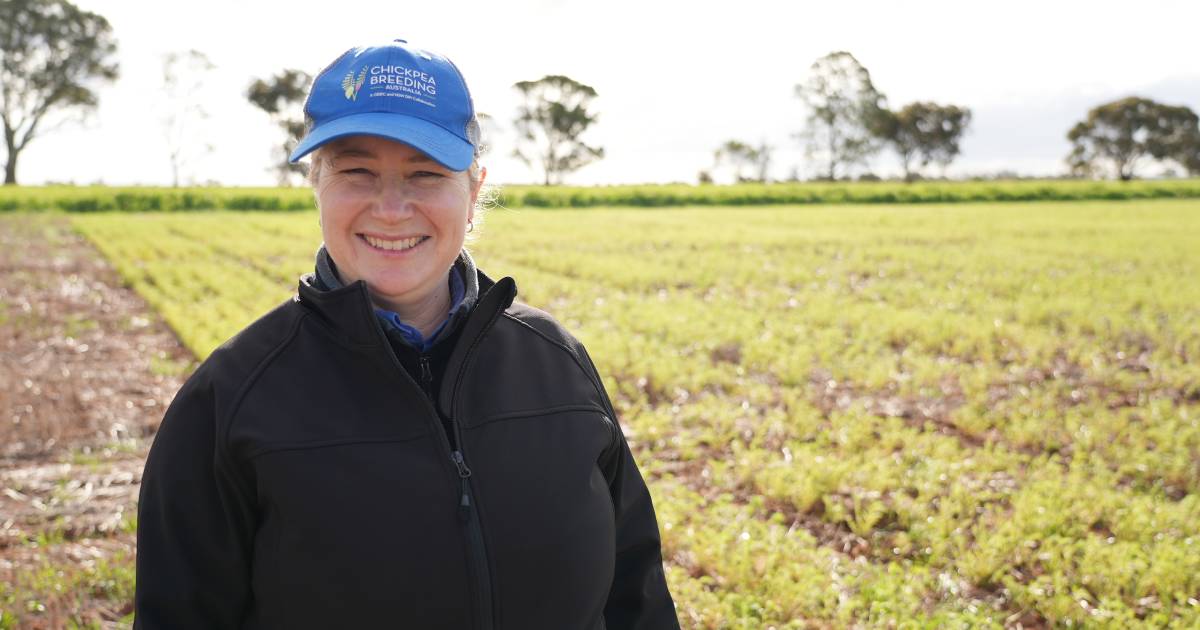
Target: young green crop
{"points": [[876, 416], [86, 199]]}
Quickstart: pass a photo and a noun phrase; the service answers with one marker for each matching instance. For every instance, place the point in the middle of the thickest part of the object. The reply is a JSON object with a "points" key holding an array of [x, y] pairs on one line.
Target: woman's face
{"points": [[392, 217]]}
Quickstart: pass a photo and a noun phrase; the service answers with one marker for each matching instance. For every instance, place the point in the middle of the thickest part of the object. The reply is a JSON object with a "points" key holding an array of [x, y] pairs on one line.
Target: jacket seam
{"points": [[319, 444], [255, 374], [535, 413], [562, 346], [592, 375], [617, 435]]}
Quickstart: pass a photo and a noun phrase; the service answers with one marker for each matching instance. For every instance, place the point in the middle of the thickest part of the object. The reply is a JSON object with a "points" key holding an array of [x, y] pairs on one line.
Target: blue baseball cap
{"points": [[398, 92]]}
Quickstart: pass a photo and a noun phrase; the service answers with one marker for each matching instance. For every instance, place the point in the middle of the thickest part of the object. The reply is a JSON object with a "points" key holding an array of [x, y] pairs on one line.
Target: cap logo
{"points": [[351, 85], [403, 82]]}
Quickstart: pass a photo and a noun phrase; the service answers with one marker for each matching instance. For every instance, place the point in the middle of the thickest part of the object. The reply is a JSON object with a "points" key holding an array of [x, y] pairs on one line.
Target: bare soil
{"points": [[86, 372]]}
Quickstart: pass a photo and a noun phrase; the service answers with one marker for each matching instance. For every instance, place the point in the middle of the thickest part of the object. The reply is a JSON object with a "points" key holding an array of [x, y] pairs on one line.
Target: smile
{"points": [[394, 245]]}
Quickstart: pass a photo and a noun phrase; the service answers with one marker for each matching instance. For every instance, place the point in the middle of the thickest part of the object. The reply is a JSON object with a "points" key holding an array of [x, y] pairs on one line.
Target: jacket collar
{"points": [[349, 313], [326, 277], [494, 299]]}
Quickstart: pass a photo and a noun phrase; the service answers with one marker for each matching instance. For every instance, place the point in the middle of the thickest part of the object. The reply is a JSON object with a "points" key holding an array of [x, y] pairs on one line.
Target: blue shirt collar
{"points": [[458, 291]]}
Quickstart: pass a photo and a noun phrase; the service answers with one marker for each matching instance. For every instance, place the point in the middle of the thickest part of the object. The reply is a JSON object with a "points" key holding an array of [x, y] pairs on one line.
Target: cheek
{"points": [[334, 222], [454, 208], [332, 207]]}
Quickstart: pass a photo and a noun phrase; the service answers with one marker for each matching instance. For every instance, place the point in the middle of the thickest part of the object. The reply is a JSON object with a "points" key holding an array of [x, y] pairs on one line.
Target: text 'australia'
{"points": [[403, 78]]}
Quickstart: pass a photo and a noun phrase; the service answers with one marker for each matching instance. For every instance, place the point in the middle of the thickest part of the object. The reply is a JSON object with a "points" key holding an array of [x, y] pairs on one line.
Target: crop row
{"points": [[101, 199], [947, 415]]}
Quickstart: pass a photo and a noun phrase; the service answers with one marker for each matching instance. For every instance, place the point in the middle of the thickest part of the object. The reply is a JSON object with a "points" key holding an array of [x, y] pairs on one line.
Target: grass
{"points": [[964, 415], [66, 595], [87, 199]]}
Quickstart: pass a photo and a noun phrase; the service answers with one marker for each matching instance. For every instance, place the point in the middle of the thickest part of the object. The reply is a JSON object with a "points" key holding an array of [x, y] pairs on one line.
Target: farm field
{"points": [[958, 415], [86, 370], [82, 199]]}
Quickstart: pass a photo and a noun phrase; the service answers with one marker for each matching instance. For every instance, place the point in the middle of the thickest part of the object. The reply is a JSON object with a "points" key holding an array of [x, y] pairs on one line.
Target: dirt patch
{"points": [[83, 360], [86, 372]]}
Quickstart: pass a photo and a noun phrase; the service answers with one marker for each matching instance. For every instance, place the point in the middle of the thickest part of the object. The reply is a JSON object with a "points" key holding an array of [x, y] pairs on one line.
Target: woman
{"points": [[400, 445]]}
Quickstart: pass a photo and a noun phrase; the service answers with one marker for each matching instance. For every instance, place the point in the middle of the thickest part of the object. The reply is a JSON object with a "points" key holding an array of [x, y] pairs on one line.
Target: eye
{"points": [[427, 174], [356, 171]]}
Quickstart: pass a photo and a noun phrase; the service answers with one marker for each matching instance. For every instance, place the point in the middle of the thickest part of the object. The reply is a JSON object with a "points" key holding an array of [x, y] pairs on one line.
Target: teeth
{"points": [[398, 246]]}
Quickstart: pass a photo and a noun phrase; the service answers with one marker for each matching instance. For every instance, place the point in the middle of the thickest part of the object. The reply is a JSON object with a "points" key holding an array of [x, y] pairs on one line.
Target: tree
{"points": [[764, 161], [925, 133], [1183, 144], [1191, 161], [182, 79], [749, 164], [282, 98], [53, 54], [845, 112], [1125, 133], [550, 121]]}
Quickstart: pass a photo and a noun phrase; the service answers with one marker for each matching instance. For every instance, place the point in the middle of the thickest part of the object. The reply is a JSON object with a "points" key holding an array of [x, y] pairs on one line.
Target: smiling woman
{"points": [[395, 219], [401, 444]]}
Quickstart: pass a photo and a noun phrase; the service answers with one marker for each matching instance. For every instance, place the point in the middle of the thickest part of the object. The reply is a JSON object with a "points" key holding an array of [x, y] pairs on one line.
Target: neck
{"points": [[424, 315]]}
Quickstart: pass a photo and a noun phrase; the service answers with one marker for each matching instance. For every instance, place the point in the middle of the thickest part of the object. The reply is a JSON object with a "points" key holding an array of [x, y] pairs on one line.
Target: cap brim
{"points": [[446, 148]]}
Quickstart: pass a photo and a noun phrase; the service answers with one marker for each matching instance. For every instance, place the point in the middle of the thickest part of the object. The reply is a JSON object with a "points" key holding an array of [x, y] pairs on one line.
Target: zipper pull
{"points": [[457, 458], [464, 504], [426, 376]]}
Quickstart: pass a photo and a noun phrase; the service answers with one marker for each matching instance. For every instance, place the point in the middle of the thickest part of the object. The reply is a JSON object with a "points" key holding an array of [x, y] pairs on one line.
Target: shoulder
{"points": [[528, 363], [259, 340], [541, 326], [234, 365], [539, 323]]}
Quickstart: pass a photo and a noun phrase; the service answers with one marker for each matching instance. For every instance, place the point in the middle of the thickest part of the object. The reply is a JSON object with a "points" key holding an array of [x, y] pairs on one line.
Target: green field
{"points": [[79, 199], [971, 415]]}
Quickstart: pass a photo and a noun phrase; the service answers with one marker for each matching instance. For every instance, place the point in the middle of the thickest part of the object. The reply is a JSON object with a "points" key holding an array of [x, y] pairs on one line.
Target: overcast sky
{"points": [[675, 78]]}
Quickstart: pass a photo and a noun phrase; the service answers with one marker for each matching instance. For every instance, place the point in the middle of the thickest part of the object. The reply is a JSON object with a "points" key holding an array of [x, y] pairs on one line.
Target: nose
{"points": [[395, 202]]}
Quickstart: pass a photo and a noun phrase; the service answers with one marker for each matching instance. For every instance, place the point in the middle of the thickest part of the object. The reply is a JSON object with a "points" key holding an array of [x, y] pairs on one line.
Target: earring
{"points": [[470, 226]]}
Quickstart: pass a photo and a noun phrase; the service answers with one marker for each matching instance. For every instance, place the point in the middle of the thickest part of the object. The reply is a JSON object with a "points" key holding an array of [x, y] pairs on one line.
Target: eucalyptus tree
{"points": [[282, 98], [53, 57], [1122, 135], [554, 113], [922, 133], [845, 113]]}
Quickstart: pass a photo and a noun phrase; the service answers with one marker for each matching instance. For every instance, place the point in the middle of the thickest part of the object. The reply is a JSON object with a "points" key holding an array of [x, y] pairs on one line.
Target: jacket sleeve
{"points": [[195, 523], [639, 598]]}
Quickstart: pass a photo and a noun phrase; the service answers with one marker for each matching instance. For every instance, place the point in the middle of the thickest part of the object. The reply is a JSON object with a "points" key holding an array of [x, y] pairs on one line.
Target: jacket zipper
{"points": [[467, 516], [467, 513]]}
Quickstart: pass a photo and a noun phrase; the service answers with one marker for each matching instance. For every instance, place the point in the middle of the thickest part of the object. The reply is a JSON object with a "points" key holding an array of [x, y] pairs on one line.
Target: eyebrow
{"points": [[349, 153], [417, 158]]}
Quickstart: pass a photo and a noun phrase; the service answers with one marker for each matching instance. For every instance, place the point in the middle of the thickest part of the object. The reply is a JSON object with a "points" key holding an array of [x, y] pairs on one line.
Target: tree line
{"points": [[54, 56], [848, 122]]}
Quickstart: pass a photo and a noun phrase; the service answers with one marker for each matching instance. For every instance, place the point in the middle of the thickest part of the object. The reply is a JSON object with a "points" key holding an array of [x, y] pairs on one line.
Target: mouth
{"points": [[393, 244]]}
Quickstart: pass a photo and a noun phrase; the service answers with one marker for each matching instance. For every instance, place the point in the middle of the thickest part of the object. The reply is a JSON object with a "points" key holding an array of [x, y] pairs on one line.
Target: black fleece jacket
{"points": [[302, 479]]}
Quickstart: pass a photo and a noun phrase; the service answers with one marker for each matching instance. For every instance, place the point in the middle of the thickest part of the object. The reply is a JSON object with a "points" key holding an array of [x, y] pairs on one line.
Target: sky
{"points": [[675, 79]]}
